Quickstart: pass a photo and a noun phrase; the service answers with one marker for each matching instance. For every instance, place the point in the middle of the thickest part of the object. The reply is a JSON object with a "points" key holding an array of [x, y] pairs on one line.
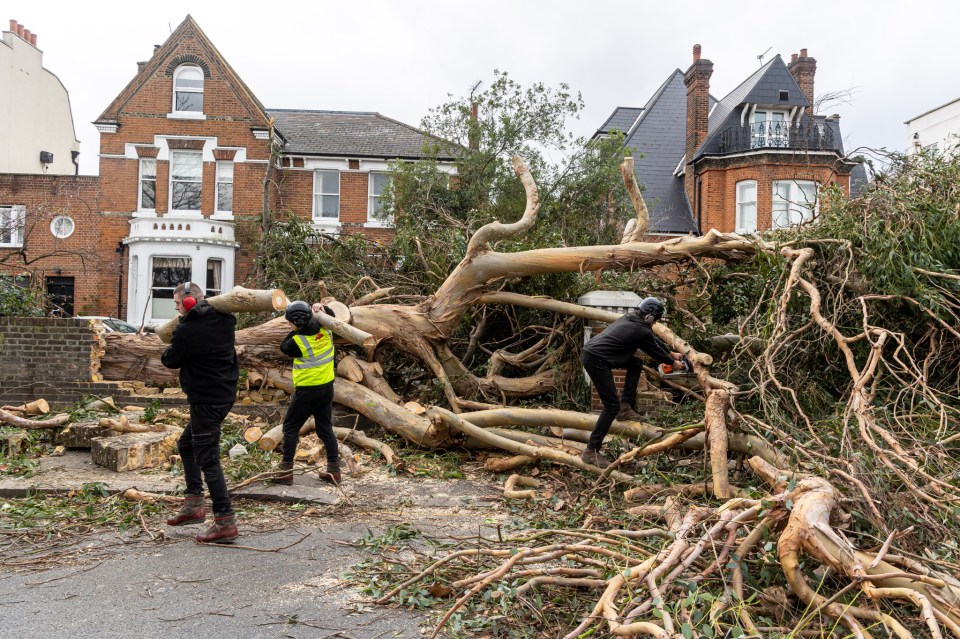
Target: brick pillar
{"points": [[803, 68], [697, 81]]}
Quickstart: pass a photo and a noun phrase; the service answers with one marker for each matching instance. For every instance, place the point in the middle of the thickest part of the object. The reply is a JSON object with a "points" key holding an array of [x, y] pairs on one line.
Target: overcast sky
{"points": [[401, 58]]}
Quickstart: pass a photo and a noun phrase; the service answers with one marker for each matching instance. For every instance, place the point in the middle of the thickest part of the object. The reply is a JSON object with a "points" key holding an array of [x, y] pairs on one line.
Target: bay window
{"points": [[167, 274], [794, 202], [747, 206]]}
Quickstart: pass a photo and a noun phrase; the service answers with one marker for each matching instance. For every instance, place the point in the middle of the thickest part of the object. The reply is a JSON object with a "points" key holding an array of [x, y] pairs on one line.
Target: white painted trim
{"points": [[746, 154], [261, 134], [112, 156], [377, 224], [186, 115], [377, 166], [326, 164], [106, 128], [681, 166]]}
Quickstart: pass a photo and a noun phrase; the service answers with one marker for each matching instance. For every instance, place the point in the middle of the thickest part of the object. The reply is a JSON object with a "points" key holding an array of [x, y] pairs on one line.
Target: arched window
{"points": [[188, 89]]}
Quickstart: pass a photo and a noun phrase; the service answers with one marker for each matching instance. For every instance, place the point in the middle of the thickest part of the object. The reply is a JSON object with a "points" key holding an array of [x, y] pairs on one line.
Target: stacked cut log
{"points": [[132, 451]]}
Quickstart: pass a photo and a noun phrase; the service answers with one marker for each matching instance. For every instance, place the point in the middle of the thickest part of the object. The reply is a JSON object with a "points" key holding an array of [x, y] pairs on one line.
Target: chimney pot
{"points": [[696, 52], [20, 30], [13, 25], [803, 53], [33, 39], [793, 58], [26, 35]]}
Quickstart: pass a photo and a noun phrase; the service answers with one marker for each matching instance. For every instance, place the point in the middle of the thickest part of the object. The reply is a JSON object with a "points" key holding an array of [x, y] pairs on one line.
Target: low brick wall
{"points": [[50, 358]]}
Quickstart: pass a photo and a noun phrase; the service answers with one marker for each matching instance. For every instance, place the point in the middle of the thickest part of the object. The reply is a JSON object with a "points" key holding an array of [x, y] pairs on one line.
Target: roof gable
{"points": [[187, 44], [764, 86]]}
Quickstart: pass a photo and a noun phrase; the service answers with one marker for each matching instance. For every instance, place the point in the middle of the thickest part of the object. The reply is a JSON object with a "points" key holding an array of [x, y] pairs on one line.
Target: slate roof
{"points": [[659, 136], [622, 119], [356, 134], [658, 140], [763, 87]]}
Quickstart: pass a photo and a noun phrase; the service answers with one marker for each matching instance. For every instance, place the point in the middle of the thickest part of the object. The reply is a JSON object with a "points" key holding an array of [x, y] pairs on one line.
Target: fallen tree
{"points": [[802, 513]]}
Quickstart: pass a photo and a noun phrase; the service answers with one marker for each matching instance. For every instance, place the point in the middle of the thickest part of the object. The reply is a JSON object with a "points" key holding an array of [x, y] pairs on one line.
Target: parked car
{"points": [[111, 324]]}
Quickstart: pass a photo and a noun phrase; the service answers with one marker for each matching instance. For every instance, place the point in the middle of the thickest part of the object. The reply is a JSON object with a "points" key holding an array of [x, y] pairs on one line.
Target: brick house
{"points": [[185, 149], [752, 161]]}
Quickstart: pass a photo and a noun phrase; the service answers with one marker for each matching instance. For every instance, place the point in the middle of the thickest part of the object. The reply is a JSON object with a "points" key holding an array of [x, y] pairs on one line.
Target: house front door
{"points": [[60, 292]]}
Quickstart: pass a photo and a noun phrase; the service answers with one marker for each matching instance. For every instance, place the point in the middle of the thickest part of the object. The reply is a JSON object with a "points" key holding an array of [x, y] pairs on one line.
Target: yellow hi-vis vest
{"points": [[315, 366]]}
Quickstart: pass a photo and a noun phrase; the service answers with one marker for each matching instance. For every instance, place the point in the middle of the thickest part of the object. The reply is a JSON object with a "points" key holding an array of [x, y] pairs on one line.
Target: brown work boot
{"points": [[191, 512], [628, 414], [286, 479], [332, 474], [595, 458], [223, 530]]}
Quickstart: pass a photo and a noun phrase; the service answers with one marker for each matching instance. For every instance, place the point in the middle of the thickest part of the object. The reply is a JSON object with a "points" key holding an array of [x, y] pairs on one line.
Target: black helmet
{"points": [[651, 309], [299, 313]]}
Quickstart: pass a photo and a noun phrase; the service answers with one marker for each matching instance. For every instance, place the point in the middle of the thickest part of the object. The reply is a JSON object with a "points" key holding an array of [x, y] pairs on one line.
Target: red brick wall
{"points": [[88, 255], [719, 195]]}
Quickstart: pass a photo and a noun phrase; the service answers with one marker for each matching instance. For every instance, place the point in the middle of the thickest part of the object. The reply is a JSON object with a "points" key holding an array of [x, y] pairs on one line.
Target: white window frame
{"points": [[318, 196], [176, 77], [220, 181], [384, 221], [791, 202], [768, 136], [141, 180], [153, 298], [12, 218], [173, 154], [56, 228], [743, 225], [208, 290]]}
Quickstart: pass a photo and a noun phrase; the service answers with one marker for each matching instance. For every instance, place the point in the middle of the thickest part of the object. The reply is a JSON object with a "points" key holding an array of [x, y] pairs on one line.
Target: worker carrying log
{"points": [[203, 349], [615, 348], [311, 347]]}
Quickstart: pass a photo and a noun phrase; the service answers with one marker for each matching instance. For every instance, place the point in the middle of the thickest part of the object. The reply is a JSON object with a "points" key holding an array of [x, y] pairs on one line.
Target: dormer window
{"points": [[188, 89], [770, 128]]}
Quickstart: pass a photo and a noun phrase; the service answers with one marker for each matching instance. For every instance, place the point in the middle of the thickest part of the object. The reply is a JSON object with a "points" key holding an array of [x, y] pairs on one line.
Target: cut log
{"points": [[348, 368], [358, 438], [22, 422], [124, 425], [82, 434], [252, 434], [134, 450], [372, 378], [503, 464], [102, 404], [236, 300], [340, 310], [36, 407], [132, 494], [347, 331], [272, 438]]}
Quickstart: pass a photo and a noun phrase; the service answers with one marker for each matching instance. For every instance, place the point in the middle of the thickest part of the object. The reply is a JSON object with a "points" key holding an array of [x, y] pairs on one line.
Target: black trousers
{"points": [[199, 448], [307, 401], [601, 374]]}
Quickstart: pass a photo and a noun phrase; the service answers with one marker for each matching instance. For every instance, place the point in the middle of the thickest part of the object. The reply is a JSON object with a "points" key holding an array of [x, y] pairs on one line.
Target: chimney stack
{"points": [[16, 27], [803, 68], [697, 81]]}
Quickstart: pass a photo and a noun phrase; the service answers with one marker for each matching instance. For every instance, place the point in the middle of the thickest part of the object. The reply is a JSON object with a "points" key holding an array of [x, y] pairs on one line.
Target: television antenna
{"points": [[763, 55]]}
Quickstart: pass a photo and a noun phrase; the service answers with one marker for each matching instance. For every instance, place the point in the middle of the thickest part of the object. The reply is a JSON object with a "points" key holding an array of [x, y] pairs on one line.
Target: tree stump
{"points": [[134, 450], [82, 434]]}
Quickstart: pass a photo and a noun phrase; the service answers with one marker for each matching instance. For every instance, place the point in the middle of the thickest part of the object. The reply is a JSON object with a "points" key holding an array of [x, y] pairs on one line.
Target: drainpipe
{"points": [[119, 251]]}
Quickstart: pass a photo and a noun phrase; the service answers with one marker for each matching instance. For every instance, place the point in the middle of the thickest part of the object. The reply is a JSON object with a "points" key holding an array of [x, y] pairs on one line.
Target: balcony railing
{"points": [[776, 135]]}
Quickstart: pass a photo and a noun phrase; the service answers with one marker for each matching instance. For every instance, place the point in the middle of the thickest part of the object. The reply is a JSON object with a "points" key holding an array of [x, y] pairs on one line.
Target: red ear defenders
{"points": [[188, 300]]}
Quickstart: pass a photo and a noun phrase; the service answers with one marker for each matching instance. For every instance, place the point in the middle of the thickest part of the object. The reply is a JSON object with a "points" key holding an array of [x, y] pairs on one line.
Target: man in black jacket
{"points": [[203, 349], [615, 348]]}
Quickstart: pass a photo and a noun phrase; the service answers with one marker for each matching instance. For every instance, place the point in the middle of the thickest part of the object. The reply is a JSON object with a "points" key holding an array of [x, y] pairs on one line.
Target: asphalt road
{"points": [[185, 589]]}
